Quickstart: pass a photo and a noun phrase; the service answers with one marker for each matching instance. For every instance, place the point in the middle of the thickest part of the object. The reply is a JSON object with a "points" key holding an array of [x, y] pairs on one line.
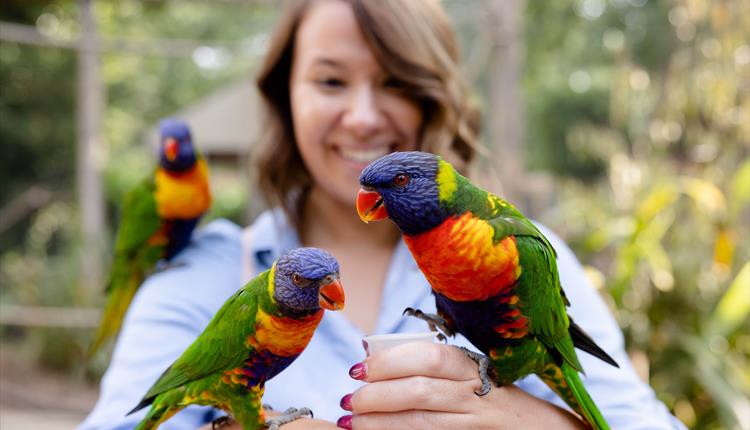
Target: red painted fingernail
{"points": [[345, 422], [346, 402], [358, 371], [366, 347]]}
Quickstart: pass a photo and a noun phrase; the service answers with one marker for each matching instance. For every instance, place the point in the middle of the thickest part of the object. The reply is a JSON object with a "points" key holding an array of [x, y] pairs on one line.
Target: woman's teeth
{"points": [[364, 155]]}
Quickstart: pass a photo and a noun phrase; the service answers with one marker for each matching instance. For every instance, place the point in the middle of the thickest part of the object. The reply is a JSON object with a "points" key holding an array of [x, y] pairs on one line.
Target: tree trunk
{"points": [[504, 118], [90, 151]]}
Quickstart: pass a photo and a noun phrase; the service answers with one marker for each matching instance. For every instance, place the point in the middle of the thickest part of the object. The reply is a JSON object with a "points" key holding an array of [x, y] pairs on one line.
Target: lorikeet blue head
{"points": [[404, 187], [307, 279], [176, 153]]}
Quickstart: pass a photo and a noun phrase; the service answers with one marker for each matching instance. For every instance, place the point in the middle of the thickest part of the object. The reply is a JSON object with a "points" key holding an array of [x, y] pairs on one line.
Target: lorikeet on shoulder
{"points": [[493, 273], [255, 335], [158, 218]]}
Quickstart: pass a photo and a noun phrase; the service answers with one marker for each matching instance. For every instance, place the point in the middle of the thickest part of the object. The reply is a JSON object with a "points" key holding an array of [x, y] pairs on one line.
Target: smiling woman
{"points": [[334, 107], [347, 110]]}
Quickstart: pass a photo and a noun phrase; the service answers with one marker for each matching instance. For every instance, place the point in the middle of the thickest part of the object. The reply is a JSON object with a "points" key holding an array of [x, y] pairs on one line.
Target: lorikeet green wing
{"points": [[539, 286], [140, 219], [199, 369], [221, 345]]}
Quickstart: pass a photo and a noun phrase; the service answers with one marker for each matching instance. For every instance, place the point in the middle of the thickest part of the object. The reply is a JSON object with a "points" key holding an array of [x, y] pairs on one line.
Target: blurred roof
{"points": [[225, 122]]}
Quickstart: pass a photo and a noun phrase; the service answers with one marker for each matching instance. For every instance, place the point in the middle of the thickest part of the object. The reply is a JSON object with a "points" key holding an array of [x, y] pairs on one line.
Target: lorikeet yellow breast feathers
{"points": [[158, 219], [255, 335], [493, 273]]}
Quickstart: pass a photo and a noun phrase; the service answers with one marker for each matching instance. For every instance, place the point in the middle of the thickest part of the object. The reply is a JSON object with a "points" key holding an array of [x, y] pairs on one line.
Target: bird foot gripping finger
{"points": [[267, 407], [484, 364], [434, 321], [221, 422], [288, 416]]}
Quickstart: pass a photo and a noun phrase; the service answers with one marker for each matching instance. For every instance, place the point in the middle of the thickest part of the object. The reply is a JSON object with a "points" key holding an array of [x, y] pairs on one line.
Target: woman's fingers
{"points": [[413, 392], [417, 359], [411, 420]]}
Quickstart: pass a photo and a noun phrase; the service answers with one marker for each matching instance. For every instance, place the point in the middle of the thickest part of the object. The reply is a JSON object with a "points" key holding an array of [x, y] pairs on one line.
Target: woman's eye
{"points": [[330, 82]]}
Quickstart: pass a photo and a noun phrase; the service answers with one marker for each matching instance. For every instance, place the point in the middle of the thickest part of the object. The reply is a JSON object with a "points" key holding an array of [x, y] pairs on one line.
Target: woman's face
{"points": [[346, 110]]}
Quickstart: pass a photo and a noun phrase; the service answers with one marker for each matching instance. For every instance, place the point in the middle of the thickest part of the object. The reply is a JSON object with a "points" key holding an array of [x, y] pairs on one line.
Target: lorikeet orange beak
{"points": [[331, 296], [171, 147], [370, 206]]}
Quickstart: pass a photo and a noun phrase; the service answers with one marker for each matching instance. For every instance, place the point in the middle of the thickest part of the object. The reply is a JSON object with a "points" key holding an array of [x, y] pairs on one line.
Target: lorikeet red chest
{"points": [[461, 261], [464, 266], [276, 342]]}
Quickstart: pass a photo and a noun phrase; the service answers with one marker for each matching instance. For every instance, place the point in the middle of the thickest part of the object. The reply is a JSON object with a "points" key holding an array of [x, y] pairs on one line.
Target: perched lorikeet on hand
{"points": [[158, 218], [493, 274], [255, 335]]}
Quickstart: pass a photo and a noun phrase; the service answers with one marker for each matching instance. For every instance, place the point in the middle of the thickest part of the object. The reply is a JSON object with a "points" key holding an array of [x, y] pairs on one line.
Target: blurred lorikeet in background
{"points": [[158, 219], [255, 335], [493, 274]]}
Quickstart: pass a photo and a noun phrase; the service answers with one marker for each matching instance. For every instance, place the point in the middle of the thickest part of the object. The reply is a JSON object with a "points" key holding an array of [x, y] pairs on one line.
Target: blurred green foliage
{"points": [[639, 109], [35, 149]]}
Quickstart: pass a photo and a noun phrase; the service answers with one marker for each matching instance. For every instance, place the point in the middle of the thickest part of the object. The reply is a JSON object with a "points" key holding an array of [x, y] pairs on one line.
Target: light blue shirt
{"points": [[173, 307]]}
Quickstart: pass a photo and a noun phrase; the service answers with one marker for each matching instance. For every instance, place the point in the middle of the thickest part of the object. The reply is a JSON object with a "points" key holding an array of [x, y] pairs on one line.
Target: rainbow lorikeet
{"points": [[158, 218], [255, 335], [493, 274]]}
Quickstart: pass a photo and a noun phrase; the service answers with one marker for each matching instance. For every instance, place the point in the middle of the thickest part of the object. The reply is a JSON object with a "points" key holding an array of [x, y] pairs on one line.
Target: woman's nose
{"points": [[363, 115]]}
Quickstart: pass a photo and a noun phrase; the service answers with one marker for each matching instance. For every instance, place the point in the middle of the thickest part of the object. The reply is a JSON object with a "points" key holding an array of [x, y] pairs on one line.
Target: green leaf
{"points": [[707, 196], [708, 371], [740, 193], [734, 306], [661, 197]]}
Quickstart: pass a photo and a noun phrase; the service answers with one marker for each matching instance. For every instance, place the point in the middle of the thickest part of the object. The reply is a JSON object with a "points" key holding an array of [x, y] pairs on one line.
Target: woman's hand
{"points": [[431, 386]]}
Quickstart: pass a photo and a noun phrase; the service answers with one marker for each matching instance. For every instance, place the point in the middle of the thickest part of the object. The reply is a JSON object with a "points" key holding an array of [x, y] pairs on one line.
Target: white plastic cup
{"points": [[379, 342]]}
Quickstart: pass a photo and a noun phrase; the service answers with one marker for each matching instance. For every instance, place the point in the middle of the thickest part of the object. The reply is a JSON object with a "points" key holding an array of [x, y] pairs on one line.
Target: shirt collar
{"points": [[270, 236], [405, 286]]}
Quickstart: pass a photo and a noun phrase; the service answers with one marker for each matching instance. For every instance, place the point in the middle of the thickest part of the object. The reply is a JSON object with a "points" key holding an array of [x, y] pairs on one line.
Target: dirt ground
{"points": [[34, 399]]}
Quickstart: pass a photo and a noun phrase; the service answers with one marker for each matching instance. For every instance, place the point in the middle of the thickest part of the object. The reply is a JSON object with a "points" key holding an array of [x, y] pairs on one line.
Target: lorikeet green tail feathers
{"points": [[155, 417], [114, 310], [134, 256], [566, 382]]}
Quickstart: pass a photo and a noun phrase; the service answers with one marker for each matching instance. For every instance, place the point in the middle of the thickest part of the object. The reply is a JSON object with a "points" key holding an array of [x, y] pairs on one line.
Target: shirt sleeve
{"points": [[626, 402], [169, 311]]}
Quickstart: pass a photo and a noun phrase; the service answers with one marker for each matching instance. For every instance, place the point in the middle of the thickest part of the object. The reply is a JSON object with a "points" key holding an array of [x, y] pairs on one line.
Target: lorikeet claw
{"points": [[288, 416], [484, 363], [267, 407], [221, 422], [434, 321]]}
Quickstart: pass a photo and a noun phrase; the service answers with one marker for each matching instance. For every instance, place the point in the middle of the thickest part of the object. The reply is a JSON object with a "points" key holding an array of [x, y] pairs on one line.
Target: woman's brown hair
{"points": [[415, 44]]}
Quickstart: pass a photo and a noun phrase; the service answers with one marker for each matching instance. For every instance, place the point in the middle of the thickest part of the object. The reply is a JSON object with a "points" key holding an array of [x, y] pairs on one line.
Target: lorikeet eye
{"points": [[401, 179], [296, 278]]}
